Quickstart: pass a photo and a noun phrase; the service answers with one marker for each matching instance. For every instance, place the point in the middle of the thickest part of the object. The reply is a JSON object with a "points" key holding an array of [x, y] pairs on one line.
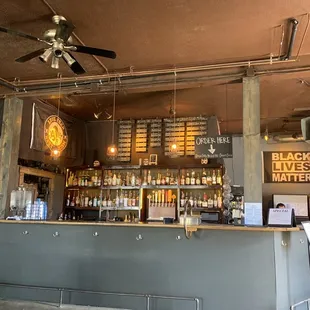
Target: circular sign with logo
{"points": [[55, 133]]}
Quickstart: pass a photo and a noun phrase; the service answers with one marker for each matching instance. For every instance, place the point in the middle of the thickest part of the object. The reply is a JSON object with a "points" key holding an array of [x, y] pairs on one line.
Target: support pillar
{"points": [[252, 140], [9, 150]]}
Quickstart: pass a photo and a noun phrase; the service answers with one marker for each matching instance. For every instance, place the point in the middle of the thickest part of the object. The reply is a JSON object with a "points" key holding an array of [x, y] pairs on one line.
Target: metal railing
{"points": [[303, 302], [147, 297]]}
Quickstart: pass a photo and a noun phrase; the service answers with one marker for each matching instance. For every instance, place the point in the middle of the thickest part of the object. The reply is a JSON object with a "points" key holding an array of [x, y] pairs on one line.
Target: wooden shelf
{"points": [[202, 209], [120, 209], [76, 188], [84, 209], [206, 187], [121, 187], [160, 186]]}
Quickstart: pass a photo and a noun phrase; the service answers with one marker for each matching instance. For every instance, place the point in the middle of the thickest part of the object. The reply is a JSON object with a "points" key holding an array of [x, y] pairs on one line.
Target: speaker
{"points": [[305, 129]]}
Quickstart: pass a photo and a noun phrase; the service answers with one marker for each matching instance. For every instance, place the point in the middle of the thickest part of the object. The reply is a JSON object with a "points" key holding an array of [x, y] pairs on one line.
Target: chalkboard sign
{"points": [[213, 147]]}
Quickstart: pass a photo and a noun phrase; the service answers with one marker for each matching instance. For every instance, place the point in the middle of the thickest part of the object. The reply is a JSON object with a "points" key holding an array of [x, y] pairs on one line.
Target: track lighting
{"points": [[46, 55], [55, 63]]}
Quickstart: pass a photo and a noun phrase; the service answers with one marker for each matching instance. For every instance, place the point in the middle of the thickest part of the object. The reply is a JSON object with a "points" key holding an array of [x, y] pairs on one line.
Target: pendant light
{"points": [[112, 149], [174, 148]]}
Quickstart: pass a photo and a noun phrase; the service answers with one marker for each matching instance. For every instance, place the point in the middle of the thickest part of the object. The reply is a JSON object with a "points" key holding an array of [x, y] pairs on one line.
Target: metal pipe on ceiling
{"points": [[294, 23]]}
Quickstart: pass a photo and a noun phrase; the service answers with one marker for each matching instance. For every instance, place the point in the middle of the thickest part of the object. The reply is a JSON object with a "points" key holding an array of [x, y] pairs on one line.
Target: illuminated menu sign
{"points": [[287, 167]]}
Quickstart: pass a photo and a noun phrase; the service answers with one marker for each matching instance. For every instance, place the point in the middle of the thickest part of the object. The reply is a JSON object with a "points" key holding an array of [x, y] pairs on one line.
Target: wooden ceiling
{"points": [[169, 33]]}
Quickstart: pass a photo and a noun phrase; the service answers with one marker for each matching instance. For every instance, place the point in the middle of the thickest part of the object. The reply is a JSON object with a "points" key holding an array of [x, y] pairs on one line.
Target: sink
{"points": [[190, 220]]}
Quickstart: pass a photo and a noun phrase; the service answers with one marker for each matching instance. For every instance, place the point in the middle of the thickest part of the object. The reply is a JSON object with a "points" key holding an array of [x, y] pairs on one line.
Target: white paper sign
{"points": [[306, 226], [253, 214], [280, 217]]}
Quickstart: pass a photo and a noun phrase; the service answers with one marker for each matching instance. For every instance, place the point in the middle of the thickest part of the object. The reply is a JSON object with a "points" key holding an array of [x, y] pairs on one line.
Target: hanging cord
{"points": [[114, 91], [59, 93], [174, 102]]}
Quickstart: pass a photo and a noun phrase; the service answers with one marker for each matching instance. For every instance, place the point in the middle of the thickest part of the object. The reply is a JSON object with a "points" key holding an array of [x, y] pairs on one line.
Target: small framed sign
{"points": [[153, 159], [281, 217]]}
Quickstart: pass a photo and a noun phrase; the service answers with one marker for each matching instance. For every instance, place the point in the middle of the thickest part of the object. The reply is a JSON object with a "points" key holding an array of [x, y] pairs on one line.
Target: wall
{"points": [[228, 270]]}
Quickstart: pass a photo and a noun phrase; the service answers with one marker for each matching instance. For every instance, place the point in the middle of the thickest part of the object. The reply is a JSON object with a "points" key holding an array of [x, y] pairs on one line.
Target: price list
{"points": [[175, 132], [141, 136], [197, 126], [156, 132], [124, 140]]}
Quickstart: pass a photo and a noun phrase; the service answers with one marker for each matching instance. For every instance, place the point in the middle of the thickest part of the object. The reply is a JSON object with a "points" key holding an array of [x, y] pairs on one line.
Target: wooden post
{"points": [[9, 150]]}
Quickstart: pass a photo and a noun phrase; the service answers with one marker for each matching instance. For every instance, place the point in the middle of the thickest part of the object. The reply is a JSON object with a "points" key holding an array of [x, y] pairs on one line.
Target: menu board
{"points": [[175, 132], [124, 140], [197, 127], [141, 136], [156, 133]]}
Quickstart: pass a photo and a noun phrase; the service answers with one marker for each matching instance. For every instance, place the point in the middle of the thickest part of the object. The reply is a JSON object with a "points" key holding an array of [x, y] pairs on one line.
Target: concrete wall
{"points": [[228, 270]]}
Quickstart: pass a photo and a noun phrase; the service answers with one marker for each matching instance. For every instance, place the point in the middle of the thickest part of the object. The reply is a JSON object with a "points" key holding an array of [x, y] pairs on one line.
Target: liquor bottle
{"points": [[163, 180], [218, 178], [153, 181], [68, 200], [117, 200], [210, 202], [109, 204], [95, 202], [204, 177], [213, 178], [158, 181], [167, 177], [205, 200], [198, 180], [182, 202], [127, 182], [105, 179], [95, 178], [219, 200], [75, 181], [199, 202], [86, 179], [82, 200], [133, 179], [90, 181], [125, 200], [193, 179], [215, 201], [182, 180], [90, 201], [104, 202], [187, 180], [72, 203], [172, 180], [191, 200], [110, 180], [99, 179], [133, 200], [82, 180], [86, 199], [79, 179], [121, 199], [149, 178], [119, 179], [129, 199], [77, 200], [195, 204], [209, 178], [114, 180]]}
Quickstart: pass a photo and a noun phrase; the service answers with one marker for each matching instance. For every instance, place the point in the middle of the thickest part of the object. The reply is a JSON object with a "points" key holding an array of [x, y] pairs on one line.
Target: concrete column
{"points": [[9, 150], [251, 137]]}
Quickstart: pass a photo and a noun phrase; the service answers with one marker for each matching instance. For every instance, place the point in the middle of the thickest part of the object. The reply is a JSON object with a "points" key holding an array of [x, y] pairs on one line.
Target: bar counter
{"points": [[191, 228]]}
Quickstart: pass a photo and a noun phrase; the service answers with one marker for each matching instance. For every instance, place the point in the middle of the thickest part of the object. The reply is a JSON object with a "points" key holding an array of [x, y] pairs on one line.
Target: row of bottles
{"points": [[205, 178], [88, 178], [202, 201], [159, 178], [83, 200], [121, 179]]}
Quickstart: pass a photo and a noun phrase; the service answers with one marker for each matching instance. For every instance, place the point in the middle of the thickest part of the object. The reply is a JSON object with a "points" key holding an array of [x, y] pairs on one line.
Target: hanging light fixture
{"points": [[173, 148], [266, 135], [112, 149]]}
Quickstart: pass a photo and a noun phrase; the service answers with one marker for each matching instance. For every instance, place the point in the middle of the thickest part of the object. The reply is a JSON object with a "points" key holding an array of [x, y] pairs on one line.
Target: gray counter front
{"points": [[225, 269]]}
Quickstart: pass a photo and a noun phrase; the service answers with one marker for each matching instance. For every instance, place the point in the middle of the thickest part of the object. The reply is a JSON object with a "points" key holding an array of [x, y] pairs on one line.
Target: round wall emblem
{"points": [[55, 133]]}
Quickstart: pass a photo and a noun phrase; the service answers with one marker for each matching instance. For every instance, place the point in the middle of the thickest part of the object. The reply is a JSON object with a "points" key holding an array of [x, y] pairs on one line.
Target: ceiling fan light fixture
{"points": [[97, 115], [68, 59], [109, 116], [55, 63], [46, 55]]}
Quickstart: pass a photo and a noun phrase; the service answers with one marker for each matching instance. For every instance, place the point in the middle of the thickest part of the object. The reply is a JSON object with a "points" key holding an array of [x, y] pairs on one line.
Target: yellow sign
{"points": [[55, 133]]}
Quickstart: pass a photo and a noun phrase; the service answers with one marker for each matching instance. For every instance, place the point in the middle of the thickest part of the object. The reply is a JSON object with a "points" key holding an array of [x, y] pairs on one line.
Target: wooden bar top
{"points": [[159, 225]]}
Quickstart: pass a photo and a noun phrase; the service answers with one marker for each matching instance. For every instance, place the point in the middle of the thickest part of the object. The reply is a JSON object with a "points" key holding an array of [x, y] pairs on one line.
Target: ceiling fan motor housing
{"points": [[58, 48]]}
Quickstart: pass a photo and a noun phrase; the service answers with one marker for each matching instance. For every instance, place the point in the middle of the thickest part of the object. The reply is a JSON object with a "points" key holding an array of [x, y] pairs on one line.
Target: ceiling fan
{"points": [[60, 46]]}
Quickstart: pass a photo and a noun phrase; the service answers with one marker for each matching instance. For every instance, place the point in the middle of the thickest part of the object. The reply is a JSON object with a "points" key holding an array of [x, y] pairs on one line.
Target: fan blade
{"points": [[64, 30], [75, 67], [20, 34], [93, 51], [31, 55]]}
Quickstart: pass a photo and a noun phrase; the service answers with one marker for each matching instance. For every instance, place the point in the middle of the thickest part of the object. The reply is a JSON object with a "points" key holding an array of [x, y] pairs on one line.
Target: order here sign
{"points": [[287, 167]]}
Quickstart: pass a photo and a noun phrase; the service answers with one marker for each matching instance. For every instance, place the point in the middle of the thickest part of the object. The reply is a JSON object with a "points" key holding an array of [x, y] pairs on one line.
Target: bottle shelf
{"points": [[120, 187], [120, 208], [160, 186], [202, 209], [77, 188], [84, 208], [206, 187]]}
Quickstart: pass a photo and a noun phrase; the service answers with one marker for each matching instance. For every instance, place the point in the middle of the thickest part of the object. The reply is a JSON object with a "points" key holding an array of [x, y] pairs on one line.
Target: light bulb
{"points": [[174, 146], [112, 151], [266, 137], [55, 153]]}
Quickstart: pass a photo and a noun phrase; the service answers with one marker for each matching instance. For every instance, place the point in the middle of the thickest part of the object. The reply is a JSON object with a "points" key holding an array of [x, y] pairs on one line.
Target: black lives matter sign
{"points": [[287, 167], [213, 147]]}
